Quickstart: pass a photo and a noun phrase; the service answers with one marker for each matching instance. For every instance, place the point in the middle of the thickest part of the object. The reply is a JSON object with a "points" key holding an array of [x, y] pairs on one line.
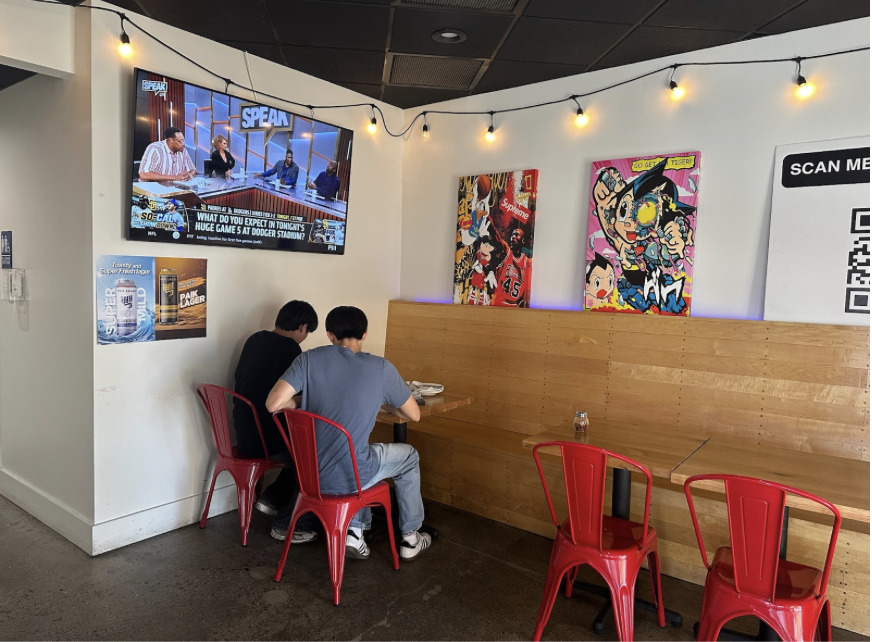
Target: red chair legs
{"points": [[218, 469], [336, 517], [247, 480], [799, 625]]}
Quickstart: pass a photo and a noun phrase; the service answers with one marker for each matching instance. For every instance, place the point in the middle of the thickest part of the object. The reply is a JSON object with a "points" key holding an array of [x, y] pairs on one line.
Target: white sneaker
{"points": [[409, 550], [355, 547], [266, 507]]}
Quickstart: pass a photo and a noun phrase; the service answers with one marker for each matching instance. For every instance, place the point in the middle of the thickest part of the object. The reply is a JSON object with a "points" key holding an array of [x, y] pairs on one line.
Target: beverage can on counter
{"points": [[126, 307], [169, 296]]}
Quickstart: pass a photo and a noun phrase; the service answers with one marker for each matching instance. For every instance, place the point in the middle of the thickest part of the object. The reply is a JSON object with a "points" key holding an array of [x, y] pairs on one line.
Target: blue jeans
{"points": [[399, 462]]}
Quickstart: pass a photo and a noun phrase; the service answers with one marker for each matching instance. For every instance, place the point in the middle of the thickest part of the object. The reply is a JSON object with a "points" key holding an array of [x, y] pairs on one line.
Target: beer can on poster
{"points": [[169, 296], [126, 307]]}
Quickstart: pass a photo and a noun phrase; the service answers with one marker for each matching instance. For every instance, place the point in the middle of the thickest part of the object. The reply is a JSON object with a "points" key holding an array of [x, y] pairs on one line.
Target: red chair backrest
{"points": [[755, 512], [215, 399], [299, 436], [584, 473]]}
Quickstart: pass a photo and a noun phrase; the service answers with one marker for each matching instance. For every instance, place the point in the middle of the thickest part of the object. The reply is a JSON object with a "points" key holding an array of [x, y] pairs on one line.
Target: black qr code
{"points": [[859, 264]]}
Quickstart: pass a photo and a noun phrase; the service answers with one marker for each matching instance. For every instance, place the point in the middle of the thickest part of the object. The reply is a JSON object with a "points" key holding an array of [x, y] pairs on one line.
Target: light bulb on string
{"points": [[489, 135], [373, 125], [124, 47], [804, 88], [580, 117], [676, 92], [425, 130]]}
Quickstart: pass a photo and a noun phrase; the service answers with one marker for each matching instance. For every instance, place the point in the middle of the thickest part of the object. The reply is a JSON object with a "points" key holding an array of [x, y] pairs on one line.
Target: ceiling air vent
{"points": [[476, 5], [430, 71]]}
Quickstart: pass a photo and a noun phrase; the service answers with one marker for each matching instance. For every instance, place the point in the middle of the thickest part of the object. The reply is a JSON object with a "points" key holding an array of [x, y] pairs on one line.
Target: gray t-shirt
{"points": [[348, 388]]}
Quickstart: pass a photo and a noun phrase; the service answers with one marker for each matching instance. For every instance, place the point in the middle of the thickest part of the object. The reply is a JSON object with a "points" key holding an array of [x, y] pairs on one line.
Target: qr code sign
{"points": [[857, 292]]}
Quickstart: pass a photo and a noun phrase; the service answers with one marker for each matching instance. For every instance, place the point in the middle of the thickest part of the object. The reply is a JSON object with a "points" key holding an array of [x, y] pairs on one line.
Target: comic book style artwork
{"points": [[641, 234], [496, 217]]}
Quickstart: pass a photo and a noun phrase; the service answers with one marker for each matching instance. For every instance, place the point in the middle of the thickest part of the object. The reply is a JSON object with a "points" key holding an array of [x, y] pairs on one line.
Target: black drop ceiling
{"points": [[11, 75], [355, 43]]}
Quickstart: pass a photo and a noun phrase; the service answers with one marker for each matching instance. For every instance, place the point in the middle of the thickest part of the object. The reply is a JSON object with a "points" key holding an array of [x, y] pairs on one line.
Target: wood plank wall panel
{"points": [[802, 386]]}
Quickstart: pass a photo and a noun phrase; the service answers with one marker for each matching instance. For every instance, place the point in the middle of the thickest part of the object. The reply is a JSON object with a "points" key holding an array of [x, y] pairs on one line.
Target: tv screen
{"points": [[214, 169]]}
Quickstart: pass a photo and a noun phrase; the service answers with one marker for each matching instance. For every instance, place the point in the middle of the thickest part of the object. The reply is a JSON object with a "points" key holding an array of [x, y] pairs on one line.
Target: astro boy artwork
{"points": [[641, 234]]}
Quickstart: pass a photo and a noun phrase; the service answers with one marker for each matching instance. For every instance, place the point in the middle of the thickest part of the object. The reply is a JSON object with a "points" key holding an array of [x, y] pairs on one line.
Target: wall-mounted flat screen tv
{"points": [[214, 169]]}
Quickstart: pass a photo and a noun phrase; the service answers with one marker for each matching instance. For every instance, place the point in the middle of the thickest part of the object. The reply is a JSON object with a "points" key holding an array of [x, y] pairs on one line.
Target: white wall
{"points": [[151, 438], [47, 46], [734, 115], [46, 365]]}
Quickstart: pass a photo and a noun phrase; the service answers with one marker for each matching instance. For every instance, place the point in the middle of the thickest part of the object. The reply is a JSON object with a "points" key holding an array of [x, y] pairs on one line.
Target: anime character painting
{"points": [[641, 229], [494, 253]]}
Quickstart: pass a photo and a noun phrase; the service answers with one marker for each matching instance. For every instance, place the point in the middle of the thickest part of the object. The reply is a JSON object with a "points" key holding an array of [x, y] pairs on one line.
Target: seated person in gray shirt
{"points": [[348, 386]]}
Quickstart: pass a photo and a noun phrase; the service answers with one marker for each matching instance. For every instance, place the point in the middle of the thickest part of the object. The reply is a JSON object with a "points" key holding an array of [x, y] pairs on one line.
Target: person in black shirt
{"points": [[222, 161], [265, 358]]}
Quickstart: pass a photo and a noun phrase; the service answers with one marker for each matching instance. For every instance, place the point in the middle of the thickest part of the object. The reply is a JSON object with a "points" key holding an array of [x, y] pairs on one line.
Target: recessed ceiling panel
{"points": [[815, 13], [560, 41], [414, 28], [337, 65], [624, 12], [214, 19], [647, 43], [473, 5], [503, 74], [328, 25], [735, 15], [428, 71], [406, 97]]}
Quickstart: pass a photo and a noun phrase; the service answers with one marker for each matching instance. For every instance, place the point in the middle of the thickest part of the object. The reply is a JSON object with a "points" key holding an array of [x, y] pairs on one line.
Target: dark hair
{"points": [[296, 313], [599, 261], [347, 322], [170, 132]]}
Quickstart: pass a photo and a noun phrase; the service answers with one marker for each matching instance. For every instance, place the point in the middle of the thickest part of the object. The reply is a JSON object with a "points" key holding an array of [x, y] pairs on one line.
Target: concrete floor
{"points": [[481, 581]]}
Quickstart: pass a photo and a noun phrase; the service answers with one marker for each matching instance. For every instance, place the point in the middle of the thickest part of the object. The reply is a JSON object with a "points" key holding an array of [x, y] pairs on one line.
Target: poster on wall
{"points": [[496, 217], [641, 234], [819, 262], [214, 169], [147, 298]]}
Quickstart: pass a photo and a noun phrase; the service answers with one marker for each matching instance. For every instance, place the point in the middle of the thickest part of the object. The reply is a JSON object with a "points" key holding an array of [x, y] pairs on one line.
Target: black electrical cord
{"points": [[375, 108]]}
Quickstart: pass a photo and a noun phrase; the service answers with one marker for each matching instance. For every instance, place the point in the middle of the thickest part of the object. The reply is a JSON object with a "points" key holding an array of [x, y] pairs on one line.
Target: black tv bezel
{"points": [[315, 248]]}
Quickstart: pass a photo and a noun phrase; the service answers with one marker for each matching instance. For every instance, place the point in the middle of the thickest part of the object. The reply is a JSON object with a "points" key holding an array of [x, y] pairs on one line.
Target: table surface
{"points": [[432, 406], [659, 452], [844, 482]]}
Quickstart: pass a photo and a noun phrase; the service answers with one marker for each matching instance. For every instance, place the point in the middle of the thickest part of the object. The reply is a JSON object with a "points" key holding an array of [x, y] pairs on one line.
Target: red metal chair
{"points": [[749, 578], [334, 511], [246, 473], [614, 547]]}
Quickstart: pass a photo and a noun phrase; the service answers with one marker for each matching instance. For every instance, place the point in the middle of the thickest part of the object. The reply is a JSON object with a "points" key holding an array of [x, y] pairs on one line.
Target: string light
{"points": [[425, 130], [489, 135], [804, 88], [124, 47], [580, 117], [677, 92]]}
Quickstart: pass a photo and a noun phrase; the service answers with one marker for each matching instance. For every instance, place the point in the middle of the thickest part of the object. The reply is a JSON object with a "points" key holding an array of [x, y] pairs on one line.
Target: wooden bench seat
{"points": [[796, 386]]}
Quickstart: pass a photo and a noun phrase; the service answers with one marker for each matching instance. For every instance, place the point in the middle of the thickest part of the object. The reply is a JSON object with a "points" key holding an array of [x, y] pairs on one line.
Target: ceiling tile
{"points": [[261, 49], [238, 20], [373, 91], [337, 65], [405, 97], [735, 15], [567, 42], [11, 75], [413, 30], [503, 74], [647, 43], [384, 2], [814, 13], [624, 12], [128, 5], [326, 24]]}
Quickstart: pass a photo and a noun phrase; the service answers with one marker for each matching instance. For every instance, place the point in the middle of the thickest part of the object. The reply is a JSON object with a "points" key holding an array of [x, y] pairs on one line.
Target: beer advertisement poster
{"points": [[496, 217], [180, 285], [146, 298], [641, 234]]}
